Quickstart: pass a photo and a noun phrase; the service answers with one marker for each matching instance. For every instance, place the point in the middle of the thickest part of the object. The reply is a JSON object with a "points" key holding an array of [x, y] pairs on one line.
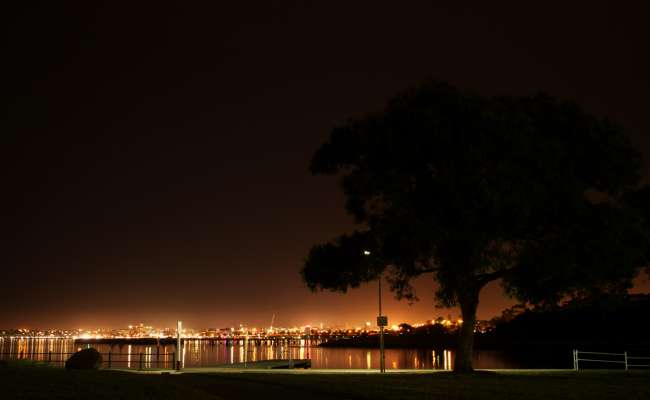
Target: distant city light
{"points": [[143, 331]]}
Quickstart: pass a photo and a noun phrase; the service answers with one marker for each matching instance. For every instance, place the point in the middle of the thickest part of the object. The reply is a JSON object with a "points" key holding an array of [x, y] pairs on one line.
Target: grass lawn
{"points": [[26, 381]]}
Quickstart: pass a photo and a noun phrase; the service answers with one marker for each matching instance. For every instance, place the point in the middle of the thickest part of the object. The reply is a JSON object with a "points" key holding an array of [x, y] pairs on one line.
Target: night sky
{"points": [[154, 159]]}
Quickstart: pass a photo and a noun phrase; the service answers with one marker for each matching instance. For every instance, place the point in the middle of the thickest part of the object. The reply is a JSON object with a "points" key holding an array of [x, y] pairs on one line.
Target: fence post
{"points": [[173, 360], [625, 354], [49, 356], [140, 361], [109, 359], [575, 360]]}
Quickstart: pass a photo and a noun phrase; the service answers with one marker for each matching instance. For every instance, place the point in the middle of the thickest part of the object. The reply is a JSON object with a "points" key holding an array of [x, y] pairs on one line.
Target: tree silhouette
{"points": [[472, 189]]}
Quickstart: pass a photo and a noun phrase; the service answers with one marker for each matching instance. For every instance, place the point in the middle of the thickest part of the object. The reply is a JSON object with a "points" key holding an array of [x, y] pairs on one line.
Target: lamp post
{"points": [[382, 321], [179, 345]]}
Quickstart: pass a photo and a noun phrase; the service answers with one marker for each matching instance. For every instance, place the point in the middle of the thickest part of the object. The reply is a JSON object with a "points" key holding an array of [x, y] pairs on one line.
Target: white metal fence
{"points": [[622, 359]]}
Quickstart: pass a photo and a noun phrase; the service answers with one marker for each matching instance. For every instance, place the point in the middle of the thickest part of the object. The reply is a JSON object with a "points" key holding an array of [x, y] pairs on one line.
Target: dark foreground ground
{"points": [[38, 382]]}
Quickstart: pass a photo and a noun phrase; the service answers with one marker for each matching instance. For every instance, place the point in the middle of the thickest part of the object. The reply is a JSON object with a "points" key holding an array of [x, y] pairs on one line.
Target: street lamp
{"points": [[382, 321], [179, 345]]}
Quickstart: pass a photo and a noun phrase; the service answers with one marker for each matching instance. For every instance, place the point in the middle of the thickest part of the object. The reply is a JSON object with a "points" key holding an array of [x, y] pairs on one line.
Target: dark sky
{"points": [[154, 158]]}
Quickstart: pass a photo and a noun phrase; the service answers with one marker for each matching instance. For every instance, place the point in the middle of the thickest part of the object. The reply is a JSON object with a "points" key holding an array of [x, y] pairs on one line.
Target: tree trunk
{"points": [[468, 301]]}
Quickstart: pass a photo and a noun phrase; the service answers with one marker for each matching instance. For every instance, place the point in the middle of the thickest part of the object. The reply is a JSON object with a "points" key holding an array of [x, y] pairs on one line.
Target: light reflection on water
{"points": [[203, 353]]}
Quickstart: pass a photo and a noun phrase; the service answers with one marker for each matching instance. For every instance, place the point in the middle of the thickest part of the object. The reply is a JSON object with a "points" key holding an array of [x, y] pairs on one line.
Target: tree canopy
{"points": [[530, 190]]}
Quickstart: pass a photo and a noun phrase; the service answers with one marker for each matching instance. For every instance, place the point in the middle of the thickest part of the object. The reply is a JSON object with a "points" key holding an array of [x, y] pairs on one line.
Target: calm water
{"points": [[201, 353]]}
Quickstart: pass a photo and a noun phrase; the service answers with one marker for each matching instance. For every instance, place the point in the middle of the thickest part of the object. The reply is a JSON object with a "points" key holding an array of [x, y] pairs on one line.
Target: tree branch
{"points": [[492, 276]]}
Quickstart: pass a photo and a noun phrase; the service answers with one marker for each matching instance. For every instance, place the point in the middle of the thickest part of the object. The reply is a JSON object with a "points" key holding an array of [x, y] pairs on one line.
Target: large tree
{"points": [[531, 191]]}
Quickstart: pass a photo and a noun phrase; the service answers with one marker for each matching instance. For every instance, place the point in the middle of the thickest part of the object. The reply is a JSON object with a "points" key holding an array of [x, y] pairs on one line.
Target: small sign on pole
{"points": [[382, 321]]}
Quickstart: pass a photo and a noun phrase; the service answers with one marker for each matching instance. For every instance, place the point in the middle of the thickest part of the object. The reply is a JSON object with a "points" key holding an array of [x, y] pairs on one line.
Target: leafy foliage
{"points": [[531, 190]]}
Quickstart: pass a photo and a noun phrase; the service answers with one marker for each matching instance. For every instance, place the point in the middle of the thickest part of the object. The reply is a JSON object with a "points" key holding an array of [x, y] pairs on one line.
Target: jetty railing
{"points": [[142, 360], [623, 359]]}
